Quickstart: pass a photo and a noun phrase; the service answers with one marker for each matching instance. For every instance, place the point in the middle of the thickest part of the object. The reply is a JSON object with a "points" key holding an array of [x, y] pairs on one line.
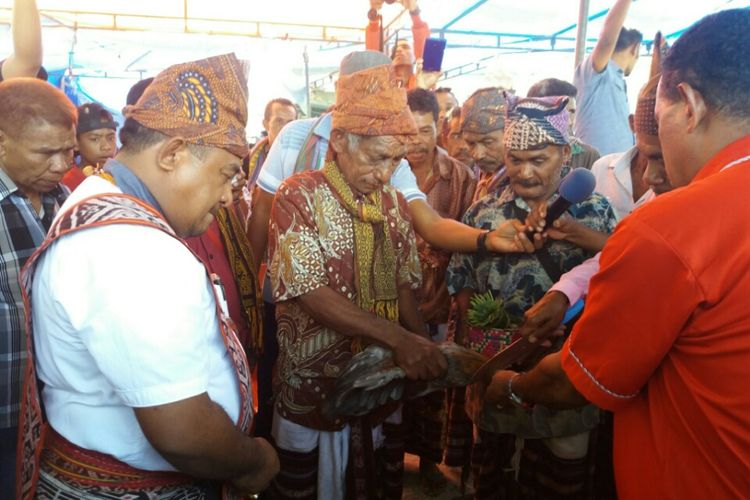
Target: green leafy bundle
{"points": [[487, 312]]}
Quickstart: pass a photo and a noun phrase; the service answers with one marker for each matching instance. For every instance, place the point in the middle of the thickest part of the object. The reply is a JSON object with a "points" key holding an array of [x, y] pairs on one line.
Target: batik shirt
{"points": [[311, 238], [520, 280], [449, 191]]}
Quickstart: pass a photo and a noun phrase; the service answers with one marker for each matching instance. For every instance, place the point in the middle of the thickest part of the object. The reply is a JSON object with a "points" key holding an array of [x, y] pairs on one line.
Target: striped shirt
{"points": [[22, 231]]}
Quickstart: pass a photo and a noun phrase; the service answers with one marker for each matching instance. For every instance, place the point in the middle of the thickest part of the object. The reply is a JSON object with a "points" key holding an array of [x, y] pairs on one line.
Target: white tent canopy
{"points": [[110, 44]]}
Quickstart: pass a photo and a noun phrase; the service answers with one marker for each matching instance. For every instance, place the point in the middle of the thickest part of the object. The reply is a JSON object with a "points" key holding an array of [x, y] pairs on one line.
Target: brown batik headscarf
{"points": [[484, 111], [370, 103], [203, 101]]}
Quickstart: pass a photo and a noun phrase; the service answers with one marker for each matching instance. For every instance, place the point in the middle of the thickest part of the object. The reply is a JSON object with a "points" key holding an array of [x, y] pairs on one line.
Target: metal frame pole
{"points": [[583, 24]]}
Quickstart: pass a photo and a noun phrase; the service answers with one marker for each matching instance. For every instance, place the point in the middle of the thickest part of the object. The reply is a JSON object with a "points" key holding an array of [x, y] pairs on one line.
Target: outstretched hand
{"points": [[509, 237], [543, 320]]}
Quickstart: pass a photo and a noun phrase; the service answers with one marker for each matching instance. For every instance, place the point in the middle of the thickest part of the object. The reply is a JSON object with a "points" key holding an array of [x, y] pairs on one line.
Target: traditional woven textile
{"points": [[375, 256], [370, 103], [241, 260], [534, 121], [484, 111], [203, 101]]}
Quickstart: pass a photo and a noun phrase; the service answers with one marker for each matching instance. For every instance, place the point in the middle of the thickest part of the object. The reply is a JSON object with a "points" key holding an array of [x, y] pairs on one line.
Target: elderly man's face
{"points": [[486, 149], [655, 174], [367, 163], [37, 157], [455, 143], [199, 186], [535, 174], [97, 146]]}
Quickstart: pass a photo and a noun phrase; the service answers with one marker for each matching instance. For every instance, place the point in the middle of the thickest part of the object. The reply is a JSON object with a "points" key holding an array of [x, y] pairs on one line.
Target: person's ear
{"points": [[338, 141], [566, 154], [172, 153], [695, 105]]}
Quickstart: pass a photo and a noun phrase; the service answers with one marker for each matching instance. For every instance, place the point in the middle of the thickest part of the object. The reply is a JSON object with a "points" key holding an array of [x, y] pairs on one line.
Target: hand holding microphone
{"points": [[576, 187]]}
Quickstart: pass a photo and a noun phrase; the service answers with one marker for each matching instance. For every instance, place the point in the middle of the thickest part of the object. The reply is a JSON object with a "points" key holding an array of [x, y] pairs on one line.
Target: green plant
{"points": [[487, 312]]}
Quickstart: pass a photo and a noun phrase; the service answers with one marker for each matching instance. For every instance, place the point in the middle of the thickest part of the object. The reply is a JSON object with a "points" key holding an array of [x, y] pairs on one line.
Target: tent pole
{"points": [[308, 104], [583, 24]]}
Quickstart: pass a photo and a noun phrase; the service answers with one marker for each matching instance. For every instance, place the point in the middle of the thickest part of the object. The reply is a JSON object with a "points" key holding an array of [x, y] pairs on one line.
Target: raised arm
{"points": [[26, 58], [613, 23], [454, 236]]}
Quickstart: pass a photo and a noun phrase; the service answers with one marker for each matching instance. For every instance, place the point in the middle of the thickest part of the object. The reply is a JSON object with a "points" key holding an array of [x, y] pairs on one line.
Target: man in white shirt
{"points": [[620, 177], [145, 386]]}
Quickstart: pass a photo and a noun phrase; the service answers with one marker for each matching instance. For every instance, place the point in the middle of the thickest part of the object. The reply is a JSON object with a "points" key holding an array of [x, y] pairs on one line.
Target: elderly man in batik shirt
{"points": [[344, 265], [536, 148]]}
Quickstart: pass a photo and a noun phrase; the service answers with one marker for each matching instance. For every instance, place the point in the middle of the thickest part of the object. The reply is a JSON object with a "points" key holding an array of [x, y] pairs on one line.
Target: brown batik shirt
{"points": [[311, 245], [449, 191]]}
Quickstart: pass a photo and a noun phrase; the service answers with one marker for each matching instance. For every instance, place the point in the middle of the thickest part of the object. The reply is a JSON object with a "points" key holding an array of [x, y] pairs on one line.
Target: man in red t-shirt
{"points": [[665, 339]]}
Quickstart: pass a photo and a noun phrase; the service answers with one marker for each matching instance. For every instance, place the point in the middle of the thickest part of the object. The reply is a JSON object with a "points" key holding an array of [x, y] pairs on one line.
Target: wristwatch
{"points": [[482, 242]]}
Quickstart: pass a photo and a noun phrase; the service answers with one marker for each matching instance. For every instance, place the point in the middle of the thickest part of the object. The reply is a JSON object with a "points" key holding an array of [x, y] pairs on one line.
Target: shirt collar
{"points": [[7, 186], [130, 184], [730, 153], [323, 126]]}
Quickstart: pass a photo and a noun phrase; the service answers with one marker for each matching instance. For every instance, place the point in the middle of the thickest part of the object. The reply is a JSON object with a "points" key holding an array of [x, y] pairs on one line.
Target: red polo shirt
{"points": [[665, 339]]}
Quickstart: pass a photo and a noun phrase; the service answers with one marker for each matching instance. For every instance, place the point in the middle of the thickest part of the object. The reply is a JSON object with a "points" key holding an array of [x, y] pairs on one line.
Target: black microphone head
{"points": [[577, 185]]}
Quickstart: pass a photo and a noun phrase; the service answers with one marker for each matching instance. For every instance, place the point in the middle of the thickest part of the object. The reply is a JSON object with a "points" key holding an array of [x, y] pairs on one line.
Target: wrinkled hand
{"points": [[258, 480], [509, 237], [419, 358], [562, 228], [543, 320], [497, 391]]}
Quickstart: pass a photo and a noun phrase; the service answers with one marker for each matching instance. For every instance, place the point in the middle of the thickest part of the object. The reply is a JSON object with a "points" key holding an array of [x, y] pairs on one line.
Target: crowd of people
{"points": [[150, 289]]}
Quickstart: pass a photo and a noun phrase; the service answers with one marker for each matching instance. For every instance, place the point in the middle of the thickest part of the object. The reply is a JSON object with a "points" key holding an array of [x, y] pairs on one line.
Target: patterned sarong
{"points": [[68, 471], [35, 433]]}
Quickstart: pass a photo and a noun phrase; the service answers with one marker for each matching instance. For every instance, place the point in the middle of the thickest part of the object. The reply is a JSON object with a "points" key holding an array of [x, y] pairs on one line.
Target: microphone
{"points": [[574, 188]]}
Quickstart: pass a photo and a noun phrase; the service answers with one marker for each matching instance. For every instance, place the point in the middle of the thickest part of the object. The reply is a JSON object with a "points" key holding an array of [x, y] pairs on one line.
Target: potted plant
{"points": [[491, 328]]}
